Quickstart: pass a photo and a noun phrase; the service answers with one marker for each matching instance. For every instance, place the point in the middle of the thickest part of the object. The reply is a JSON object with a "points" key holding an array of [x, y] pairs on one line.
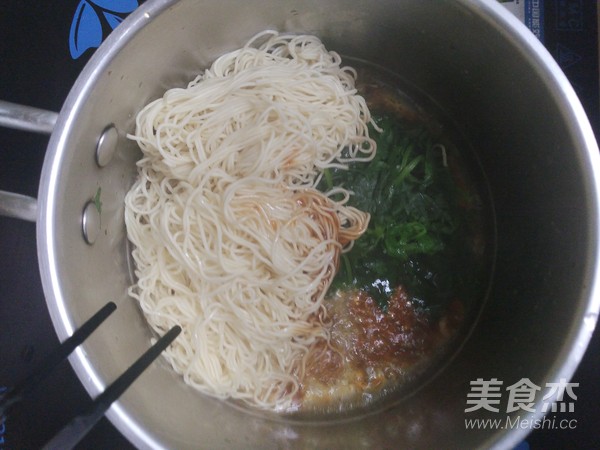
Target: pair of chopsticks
{"points": [[80, 425]]}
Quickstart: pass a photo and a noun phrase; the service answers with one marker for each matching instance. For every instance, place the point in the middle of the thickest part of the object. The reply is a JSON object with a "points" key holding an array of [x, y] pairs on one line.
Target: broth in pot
{"points": [[316, 233]]}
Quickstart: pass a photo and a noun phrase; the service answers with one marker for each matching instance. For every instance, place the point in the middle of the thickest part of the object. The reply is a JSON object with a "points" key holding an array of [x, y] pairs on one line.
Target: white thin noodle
{"points": [[232, 240]]}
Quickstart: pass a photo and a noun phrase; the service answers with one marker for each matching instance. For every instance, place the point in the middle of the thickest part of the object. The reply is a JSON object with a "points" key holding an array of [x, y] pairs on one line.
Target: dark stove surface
{"points": [[43, 47]]}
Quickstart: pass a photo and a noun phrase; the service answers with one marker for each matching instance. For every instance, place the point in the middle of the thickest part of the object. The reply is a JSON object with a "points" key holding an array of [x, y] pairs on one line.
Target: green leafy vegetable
{"points": [[416, 221], [97, 201]]}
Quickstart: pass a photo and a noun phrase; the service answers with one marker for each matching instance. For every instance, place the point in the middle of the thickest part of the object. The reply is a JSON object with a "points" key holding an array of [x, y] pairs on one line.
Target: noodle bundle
{"points": [[232, 240]]}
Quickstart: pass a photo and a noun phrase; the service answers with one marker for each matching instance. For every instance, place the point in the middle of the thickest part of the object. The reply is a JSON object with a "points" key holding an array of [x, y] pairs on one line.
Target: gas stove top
{"points": [[43, 47]]}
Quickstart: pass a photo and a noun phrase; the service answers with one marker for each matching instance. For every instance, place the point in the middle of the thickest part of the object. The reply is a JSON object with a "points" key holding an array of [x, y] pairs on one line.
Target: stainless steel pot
{"points": [[481, 66]]}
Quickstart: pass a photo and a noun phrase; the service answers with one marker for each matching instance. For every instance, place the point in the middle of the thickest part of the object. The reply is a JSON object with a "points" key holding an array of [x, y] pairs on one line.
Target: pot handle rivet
{"points": [[107, 145], [90, 222]]}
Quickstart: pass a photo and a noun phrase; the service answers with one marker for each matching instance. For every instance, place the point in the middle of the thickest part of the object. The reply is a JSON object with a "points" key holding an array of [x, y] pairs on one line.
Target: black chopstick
{"points": [[75, 430], [19, 391]]}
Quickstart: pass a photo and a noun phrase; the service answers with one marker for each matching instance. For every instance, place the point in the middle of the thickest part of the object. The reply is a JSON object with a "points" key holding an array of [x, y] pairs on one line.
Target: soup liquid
{"points": [[388, 338]]}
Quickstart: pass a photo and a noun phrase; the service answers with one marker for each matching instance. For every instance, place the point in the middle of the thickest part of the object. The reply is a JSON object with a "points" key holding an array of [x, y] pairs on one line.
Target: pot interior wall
{"points": [[481, 75]]}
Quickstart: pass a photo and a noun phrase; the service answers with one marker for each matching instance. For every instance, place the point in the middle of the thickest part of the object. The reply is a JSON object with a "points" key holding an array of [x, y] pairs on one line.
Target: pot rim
{"points": [[570, 354]]}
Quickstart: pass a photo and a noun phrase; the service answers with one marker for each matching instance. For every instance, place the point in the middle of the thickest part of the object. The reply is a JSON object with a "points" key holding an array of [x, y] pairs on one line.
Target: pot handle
{"points": [[31, 119], [18, 206], [26, 118]]}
